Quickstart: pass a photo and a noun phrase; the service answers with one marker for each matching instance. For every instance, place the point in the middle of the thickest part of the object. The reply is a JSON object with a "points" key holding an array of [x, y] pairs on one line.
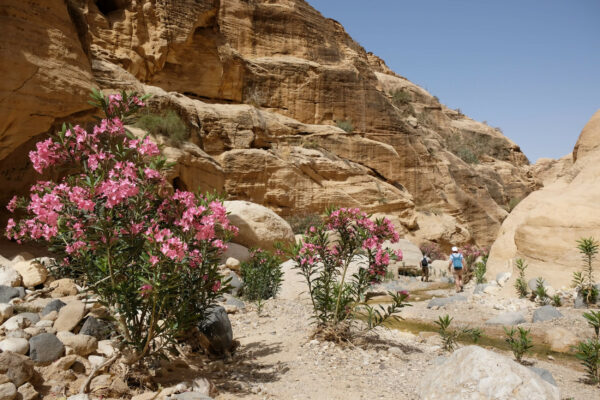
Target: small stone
{"points": [[192, 396], [546, 313], [96, 328], [233, 264], [33, 318], [81, 396], [64, 363], [51, 316], [202, 386], [69, 316], [491, 289], [105, 348], [16, 345], [479, 288], [235, 283], [16, 322], [234, 301], [508, 318], [145, 396], [27, 392], [9, 277], [503, 277], [544, 374], [7, 293], [44, 324], [443, 301], [18, 333], [6, 311], [45, 348], [32, 272], [8, 391], [216, 327], [81, 344], [96, 361], [63, 287], [34, 331], [54, 305], [18, 368], [100, 382]]}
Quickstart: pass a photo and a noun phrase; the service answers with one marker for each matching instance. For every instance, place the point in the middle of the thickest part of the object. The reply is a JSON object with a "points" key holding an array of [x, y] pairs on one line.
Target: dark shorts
{"points": [[457, 269]]}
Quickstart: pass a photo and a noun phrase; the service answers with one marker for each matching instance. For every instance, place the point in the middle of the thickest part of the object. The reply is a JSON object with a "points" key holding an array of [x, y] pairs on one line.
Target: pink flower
{"points": [[153, 260], [145, 290], [216, 286], [152, 173], [12, 204]]}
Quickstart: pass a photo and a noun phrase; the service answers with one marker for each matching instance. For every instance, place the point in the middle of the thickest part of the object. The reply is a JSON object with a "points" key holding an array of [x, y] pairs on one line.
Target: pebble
{"points": [[16, 345]]}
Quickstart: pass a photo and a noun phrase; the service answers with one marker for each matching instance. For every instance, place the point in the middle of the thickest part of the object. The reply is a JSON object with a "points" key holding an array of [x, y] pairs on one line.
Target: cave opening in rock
{"points": [[179, 184], [108, 6]]}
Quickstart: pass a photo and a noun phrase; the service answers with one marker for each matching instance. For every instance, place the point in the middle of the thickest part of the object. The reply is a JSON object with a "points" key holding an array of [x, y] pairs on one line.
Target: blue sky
{"points": [[530, 67]]}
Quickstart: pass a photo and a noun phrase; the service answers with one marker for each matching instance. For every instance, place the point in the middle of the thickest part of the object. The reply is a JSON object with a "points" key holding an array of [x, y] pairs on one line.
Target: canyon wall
{"points": [[263, 86]]}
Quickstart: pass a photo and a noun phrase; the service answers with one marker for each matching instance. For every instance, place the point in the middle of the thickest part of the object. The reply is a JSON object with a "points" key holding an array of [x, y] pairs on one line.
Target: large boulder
{"points": [[475, 373], [546, 313], [258, 226], [411, 256], [508, 318], [544, 227], [560, 339]]}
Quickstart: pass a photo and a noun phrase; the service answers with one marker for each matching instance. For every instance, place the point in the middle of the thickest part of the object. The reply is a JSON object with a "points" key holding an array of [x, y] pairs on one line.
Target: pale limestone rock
{"points": [[8, 391], [106, 348], [233, 264], [63, 287], [9, 276], [69, 316], [32, 272], [81, 344], [16, 345], [6, 311], [475, 373], [27, 392]]}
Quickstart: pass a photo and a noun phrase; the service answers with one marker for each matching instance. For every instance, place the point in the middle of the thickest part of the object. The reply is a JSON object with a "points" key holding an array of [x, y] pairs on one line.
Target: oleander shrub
{"points": [[262, 276], [338, 297], [113, 224], [584, 281], [519, 341]]}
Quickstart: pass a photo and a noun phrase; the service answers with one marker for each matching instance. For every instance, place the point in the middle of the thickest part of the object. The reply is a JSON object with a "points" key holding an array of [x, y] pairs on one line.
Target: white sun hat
{"points": [[454, 249]]}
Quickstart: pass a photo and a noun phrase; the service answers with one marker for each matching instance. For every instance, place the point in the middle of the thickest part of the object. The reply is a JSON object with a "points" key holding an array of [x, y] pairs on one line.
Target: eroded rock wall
{"points": [[261, 85]]}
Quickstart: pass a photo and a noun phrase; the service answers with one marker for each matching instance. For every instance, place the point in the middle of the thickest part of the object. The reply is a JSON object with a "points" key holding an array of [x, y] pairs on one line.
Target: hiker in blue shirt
{"points": [[456, 264]]}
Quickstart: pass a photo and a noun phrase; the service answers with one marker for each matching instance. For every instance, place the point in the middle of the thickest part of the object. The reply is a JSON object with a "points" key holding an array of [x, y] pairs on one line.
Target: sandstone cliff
{"points": [[262, 85], [544, 228]]}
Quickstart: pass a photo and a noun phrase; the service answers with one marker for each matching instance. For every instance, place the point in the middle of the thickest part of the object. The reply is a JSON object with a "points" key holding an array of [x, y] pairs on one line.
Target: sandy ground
{"points": [[278, 360]]}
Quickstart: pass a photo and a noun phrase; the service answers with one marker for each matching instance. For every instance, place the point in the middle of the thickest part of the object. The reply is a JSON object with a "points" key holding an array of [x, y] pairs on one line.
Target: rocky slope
{"points": [[544, 228], [261, 85]]}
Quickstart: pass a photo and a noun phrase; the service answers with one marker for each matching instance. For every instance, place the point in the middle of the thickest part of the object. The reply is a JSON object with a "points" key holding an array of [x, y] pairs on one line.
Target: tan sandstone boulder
{"points": [[544, 228], [258, 226]]}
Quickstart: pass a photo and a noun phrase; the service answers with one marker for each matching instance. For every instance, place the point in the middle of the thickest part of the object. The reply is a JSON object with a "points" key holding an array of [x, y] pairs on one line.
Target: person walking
{"points": [[456, 263], [425, 268]]}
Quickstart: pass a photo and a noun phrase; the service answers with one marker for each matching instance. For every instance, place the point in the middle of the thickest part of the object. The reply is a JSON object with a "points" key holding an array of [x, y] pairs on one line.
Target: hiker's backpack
{"points": [[424, 262], [456, 260]]}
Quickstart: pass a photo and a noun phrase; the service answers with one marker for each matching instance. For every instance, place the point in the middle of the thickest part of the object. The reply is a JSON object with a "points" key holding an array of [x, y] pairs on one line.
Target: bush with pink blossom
{"points": [[324, 263], [115, 226]]}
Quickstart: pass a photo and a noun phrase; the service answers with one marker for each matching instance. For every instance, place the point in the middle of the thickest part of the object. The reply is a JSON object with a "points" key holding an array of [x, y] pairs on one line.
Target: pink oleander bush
{"points": [[337, 297], [471, 253], [115, 226]]}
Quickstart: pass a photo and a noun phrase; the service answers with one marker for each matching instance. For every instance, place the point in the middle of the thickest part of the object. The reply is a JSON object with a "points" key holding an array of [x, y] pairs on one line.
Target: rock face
{"points": [[261, 86], [544, 228], [475, 373]]}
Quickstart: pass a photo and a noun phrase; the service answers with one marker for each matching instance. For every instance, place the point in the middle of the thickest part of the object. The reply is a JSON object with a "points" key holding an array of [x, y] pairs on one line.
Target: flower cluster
{"points": [[114, 216]]}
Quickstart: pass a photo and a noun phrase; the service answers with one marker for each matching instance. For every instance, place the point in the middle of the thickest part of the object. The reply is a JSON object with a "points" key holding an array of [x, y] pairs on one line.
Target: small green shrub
{"points": [[479, 272], [450, 337], [588, 352], [300, 223], [345, 125], [512, 203], [467, 156], [168, 124], [556, 301], [520, 344], [377, 316], [400, 97], [262, 276], [584, 281], [521, 282], [540, 291]]}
